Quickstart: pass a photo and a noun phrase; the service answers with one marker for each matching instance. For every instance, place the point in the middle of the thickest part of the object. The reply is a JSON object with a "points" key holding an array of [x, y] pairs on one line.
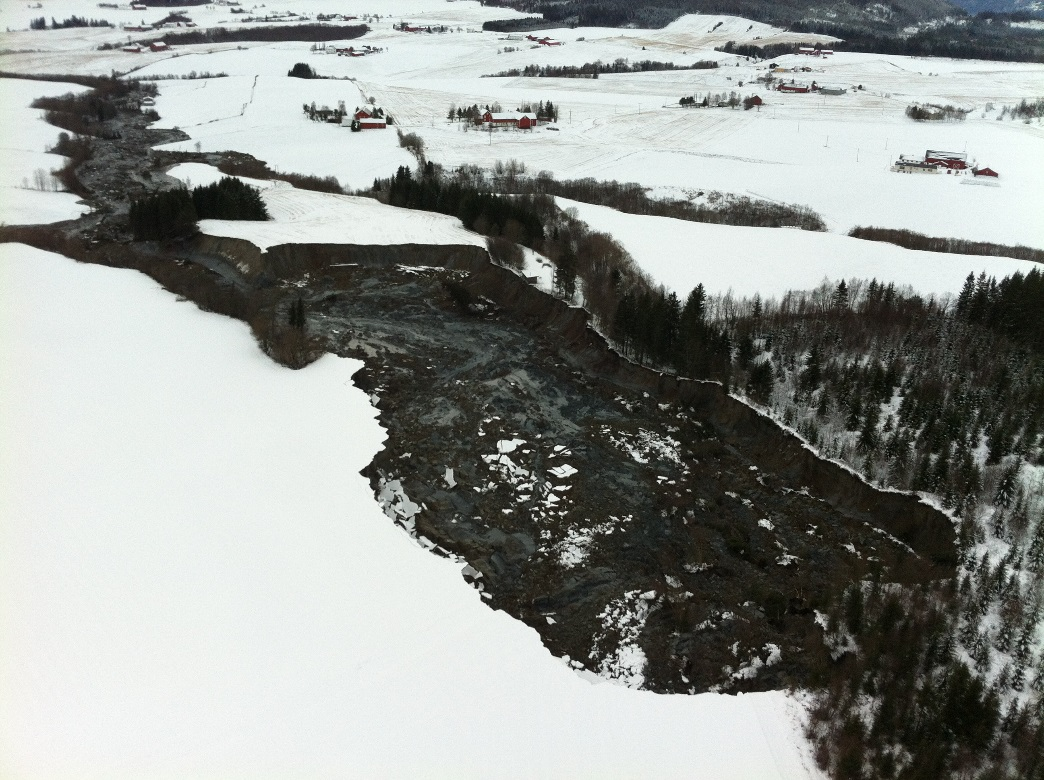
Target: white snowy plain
{"points": [[195, 580], [832, 153], [770, 261]]}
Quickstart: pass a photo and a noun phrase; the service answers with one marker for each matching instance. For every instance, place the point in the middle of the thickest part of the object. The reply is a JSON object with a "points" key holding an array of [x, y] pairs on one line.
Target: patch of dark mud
{"points": [[629, 532]]}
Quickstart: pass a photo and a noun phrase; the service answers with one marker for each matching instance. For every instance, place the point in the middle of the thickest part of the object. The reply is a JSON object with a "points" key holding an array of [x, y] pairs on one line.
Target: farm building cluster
{"points": [[138, 48], [937, 161], [171, 22], [509, 119], [362, 118], [346, 51], [366, 118], [800, 89], [526, 117]]}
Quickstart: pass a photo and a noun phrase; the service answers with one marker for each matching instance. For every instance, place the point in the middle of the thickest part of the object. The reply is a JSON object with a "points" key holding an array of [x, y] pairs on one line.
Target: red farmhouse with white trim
{"points": [[510, 119]]}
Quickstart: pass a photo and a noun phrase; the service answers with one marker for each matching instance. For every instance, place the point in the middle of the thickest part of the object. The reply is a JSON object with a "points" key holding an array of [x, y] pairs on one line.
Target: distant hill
{"points": [[916, 27], [659, 13], [1034, 7]]}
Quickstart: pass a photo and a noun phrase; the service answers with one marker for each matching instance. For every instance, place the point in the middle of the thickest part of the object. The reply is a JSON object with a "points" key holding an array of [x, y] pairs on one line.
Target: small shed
{"points": [[985, 172]]}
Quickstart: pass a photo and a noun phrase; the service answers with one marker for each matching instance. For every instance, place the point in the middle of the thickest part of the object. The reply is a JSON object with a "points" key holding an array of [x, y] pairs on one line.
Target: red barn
{"points": [[801, 88], [985, 172], [158, 46], [376, 123], [500, 120]]}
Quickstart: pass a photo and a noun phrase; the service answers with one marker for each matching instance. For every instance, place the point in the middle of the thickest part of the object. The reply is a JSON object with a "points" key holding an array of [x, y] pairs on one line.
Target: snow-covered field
{"points": [[831, 153], [262, 115], [25, 164], [187, 592], [770, 261]]}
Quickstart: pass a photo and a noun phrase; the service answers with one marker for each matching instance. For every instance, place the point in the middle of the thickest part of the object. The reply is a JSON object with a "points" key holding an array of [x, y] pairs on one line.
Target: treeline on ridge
{"points": [[718, 208], [596, 68], [239, 164], [275, 33], [913, 240], [40, 23]]}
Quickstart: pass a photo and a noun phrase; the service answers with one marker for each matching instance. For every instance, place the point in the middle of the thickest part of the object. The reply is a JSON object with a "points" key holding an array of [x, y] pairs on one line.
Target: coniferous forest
{"points": [[942, 397], [173, 213]]}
